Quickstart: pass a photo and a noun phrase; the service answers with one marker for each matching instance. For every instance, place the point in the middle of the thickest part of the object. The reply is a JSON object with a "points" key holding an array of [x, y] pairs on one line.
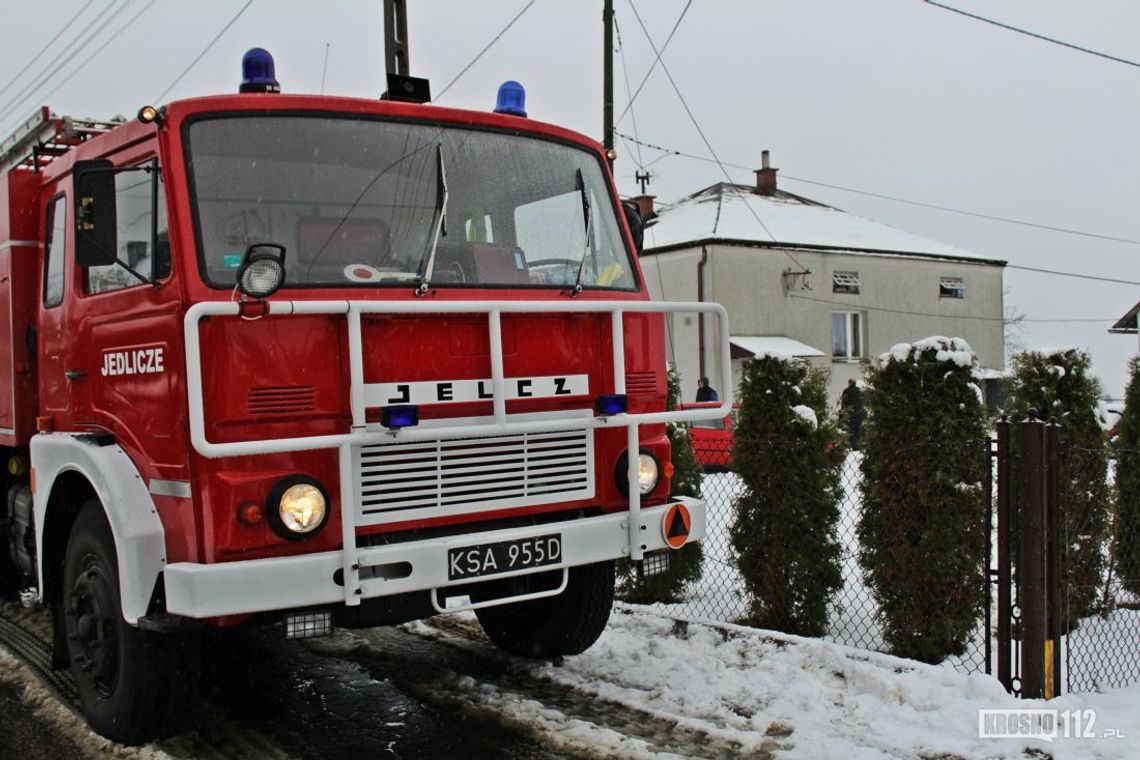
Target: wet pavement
{"points": [[322, 707], [25, 735]]}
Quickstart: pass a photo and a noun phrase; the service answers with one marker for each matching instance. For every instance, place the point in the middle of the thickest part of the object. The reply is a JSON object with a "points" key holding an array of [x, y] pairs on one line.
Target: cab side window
{"points": [[142, 240], [54, 246]]}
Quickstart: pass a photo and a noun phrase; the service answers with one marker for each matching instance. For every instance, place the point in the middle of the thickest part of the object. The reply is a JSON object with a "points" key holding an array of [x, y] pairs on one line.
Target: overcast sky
{"points": [[895, 97]]}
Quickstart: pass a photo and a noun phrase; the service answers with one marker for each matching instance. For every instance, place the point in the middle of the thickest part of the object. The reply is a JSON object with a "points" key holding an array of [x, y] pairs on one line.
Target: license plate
{"points": [[503, 556]]}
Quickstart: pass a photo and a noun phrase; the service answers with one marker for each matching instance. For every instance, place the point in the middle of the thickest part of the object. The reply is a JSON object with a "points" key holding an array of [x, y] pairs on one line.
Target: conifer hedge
{"points": [[685, 563], [1128, 484], [788, 455], [1057, 384], [922, 528]]}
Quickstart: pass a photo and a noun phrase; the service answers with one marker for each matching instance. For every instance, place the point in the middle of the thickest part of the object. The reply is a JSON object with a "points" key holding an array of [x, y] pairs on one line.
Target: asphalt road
{"points": [[25, 735]]}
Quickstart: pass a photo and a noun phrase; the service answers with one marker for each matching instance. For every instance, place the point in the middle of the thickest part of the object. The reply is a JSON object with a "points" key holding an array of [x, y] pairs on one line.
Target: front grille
{"points": [[415, 480]]}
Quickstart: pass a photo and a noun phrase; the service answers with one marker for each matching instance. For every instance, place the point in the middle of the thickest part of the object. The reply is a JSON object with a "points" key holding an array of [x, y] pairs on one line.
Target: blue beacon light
{"points": [[512, 99], [257, 72]]}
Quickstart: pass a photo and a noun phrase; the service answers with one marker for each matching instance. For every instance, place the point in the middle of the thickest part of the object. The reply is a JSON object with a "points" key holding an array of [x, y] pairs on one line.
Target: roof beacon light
{"points": [[512, 99], [257, 72]]}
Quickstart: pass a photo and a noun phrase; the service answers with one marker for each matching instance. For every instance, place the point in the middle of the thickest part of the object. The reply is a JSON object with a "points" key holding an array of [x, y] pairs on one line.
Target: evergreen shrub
{"points": [[1057, 384], [788, 455], [1127, 444], [922, 527]]}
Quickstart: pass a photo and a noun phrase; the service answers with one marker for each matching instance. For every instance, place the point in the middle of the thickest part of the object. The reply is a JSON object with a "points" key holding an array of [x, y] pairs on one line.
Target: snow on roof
{"points": [[778, 346], [737, 213]]}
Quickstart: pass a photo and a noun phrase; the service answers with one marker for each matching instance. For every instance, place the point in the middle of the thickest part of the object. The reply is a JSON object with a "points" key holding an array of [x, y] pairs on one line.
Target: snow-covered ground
{"points": [[1101, 653], [818, 699]]}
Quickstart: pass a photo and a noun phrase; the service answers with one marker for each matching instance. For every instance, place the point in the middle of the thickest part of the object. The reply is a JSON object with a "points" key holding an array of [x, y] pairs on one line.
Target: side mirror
{"points": [[95, 213], [636, 226]]}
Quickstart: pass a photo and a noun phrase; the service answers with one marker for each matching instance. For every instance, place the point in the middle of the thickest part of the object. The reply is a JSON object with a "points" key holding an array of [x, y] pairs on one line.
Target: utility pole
{"points": [[608, 82], [396, 38]]}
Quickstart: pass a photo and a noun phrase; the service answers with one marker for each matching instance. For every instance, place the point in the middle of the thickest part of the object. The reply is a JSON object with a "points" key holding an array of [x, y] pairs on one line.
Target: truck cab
{"points": [[324, 361]]}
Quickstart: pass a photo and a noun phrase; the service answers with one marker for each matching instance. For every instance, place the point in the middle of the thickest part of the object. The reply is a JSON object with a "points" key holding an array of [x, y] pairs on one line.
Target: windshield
{"points": [[359, 202]]}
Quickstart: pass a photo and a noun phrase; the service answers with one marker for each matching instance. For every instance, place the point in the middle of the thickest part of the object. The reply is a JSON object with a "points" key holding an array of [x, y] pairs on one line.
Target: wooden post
{"points": [[1031, 564], [1052, 564]]}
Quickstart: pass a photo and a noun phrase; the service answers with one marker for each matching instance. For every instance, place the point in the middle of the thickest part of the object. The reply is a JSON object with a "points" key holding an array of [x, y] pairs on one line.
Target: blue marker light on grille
{"points": [[396, 417], [612, 403]]}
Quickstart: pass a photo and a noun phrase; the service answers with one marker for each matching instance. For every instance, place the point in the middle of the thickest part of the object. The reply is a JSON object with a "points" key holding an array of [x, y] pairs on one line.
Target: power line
{"points": [[666, 152], [84, 38], [656, 60], [625, 75], [1113, 280], [206, 49], [101, 48], [1035, 35], [484, 50], [862, 307], [31, 62], [700, 131], [977, 214]]}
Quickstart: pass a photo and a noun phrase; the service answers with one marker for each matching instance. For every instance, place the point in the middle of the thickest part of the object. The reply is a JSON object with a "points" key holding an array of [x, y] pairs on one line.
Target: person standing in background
{"points": [[706, 392]]}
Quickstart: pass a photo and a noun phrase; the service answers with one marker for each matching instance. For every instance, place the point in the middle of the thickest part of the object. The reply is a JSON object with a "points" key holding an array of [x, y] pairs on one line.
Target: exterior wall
{"points": [[674, 278], [898, 302]]}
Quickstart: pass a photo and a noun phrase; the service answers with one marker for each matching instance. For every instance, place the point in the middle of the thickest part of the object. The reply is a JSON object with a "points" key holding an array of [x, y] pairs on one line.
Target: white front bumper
{"points": [[307, 580]]}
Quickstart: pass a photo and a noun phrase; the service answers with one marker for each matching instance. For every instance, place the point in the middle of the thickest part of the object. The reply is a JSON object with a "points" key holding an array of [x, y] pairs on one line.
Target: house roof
{"points": [[1129, 323], [735, 215], [773, 345]]}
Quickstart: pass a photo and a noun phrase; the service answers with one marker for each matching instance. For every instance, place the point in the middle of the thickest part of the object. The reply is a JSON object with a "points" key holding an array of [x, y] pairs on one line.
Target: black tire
{"points": [[131, 682], [558, 625]]}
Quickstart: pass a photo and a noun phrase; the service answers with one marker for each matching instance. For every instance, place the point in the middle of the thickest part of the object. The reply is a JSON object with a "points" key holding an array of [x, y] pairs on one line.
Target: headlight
{"points": [[262, 270], [298, 506], [648, 472]]}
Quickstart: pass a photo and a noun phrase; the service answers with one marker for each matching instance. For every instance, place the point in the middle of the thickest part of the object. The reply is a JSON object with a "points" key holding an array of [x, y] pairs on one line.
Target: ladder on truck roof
{"points": [[45, 136]]}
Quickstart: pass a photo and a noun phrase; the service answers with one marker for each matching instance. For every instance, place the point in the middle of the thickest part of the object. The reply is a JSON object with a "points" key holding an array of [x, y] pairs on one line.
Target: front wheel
{"points": [[558, 625], [130, 681]]}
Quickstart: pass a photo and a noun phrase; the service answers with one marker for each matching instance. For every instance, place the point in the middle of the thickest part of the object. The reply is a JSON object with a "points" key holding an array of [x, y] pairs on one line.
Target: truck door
{"points": [[127, 328], [51, 322]]}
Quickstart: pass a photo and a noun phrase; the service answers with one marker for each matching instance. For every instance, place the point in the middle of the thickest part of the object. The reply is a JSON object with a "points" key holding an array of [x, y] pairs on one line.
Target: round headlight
{"points": [[262, 277], [298, 507], [648, 472]]}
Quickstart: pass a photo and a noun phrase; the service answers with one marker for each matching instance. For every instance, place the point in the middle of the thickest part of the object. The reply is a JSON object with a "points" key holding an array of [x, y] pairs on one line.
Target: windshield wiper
{"points": [[439, 222], [588, 215]]}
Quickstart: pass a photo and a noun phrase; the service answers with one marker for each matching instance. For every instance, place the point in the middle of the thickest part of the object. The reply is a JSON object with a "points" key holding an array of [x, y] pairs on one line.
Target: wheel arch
{"points": [[69, 470]]}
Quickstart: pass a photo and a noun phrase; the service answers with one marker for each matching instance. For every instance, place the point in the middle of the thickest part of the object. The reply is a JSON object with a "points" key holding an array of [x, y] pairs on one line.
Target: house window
{"points": [[951, 287], [846, 335], [845, 282]]}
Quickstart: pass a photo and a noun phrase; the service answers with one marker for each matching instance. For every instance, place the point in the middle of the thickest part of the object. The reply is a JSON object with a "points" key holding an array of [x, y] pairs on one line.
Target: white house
{"points": [[811, 280]]}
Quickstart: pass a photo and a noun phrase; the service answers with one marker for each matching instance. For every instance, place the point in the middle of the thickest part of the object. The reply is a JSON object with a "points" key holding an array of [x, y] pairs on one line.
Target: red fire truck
{"points": [[321, 361]]}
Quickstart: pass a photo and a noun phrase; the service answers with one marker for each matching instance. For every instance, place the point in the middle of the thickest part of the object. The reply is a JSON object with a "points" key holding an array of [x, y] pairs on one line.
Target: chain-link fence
{"points": [[1099, 531], [853, 614]]}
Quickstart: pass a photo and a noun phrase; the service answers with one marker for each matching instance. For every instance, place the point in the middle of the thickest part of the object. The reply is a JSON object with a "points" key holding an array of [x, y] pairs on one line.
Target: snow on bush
{"points": [[923, 524], [785, 532]]}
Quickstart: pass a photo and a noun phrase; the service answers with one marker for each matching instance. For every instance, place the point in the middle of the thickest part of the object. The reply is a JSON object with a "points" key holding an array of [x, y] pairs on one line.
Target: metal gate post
{"points": [[1004, 589], [1052, 564], [1031, 564]]}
